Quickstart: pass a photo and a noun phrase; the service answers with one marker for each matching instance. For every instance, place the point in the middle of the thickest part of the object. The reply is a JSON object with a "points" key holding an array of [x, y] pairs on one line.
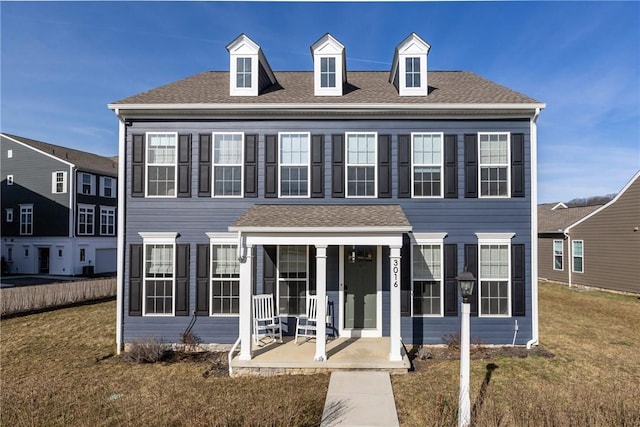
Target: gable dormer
{"points": [[249, 71], [329, 66], [409, 67]]}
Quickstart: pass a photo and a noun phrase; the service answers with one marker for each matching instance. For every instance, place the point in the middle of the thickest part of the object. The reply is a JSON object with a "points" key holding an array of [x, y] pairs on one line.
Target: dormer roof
{"points": [[329, 66], [250, 71], [410, 77]]}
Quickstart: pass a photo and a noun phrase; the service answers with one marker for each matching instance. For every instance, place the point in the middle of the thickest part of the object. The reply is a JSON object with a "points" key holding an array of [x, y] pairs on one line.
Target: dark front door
{"points": [[43, 260], [360, 287]]}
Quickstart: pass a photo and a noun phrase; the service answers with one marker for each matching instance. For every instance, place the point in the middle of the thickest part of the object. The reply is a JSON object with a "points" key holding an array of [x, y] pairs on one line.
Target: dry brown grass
{"points": [[594, 380], [58, 369]]}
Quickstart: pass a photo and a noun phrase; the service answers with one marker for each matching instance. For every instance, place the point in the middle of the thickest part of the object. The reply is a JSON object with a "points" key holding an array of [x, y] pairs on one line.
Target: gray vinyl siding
{"points": [[32, 177], [545, 258], [460, 218]]}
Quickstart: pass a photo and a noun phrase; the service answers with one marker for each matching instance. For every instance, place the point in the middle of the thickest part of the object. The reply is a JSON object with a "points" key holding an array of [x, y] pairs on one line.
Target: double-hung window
{"points": [[227, 164], [294, 164], [161, 164], [494, 164], [26, 220], [159, 276], [361, 164], [86, 219], [328, 72], [558, 255], [427, 164], [577, 251], [495, 276], [427, 278], [293, 280], [86, 184], [107, 187], [59, 182], [412, 72], [225, 278], [243, 72], [107, 221]]}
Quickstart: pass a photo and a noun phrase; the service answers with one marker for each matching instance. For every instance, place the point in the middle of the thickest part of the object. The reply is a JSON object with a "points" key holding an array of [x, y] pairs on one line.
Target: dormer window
{"points": [[249, 71], [409, 67], [329, 66]]}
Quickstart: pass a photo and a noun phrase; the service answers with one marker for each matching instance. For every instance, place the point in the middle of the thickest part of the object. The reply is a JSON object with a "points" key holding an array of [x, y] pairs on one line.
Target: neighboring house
{"points": [[58, 209], [372, 189], [595, 246]]}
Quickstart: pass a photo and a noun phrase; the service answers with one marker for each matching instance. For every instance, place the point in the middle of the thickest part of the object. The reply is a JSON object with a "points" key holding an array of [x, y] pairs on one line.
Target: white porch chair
{"points": [[265, 321], [306, 325]]}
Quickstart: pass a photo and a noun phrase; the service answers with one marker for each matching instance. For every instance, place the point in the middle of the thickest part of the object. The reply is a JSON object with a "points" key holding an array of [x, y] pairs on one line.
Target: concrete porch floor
{"points": [[275, 358]]}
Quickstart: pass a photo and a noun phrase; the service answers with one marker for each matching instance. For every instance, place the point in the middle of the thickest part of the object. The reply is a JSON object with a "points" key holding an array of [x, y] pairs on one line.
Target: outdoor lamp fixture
{"points": [[466, 281], [352, 255]]}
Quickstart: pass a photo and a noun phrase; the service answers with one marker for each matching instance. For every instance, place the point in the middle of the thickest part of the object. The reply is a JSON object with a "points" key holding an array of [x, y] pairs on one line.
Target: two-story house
{"points": [[58, 209], [370, 189]]}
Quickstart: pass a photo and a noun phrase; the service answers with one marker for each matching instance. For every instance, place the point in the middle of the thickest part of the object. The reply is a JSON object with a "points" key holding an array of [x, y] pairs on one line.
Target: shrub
{"points": [[149, 350]]}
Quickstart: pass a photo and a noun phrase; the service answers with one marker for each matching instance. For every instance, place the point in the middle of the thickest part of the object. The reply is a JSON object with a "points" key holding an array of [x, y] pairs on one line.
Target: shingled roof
{"points": [[363, 87], [322, 216], [557, 221], [83, 160]]}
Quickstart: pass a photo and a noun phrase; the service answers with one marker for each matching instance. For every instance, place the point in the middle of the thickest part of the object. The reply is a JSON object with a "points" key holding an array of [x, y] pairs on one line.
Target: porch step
{"points": [[359, 398]]}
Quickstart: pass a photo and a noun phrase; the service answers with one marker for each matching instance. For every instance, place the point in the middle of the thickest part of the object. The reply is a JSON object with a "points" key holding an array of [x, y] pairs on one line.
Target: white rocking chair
{"points": [[265, 322], [306, 325]]}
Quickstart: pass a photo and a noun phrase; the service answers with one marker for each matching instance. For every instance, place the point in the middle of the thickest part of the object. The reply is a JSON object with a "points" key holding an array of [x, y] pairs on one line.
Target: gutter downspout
{"points": [[569, 258], [72, 219], [535, 337], [122, 135]]}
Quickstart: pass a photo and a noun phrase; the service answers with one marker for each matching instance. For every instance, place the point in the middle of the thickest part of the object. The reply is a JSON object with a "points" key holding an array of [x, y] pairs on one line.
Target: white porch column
{"points": [[321, 292], [394, 258], [246, 291]]}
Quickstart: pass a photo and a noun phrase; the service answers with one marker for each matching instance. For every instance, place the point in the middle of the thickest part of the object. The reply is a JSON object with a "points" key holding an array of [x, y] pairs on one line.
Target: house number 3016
{"points": [[395, 273]]}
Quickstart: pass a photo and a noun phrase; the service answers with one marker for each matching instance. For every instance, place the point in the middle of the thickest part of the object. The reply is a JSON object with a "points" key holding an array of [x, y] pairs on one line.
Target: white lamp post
{"points": [[465, 281]]}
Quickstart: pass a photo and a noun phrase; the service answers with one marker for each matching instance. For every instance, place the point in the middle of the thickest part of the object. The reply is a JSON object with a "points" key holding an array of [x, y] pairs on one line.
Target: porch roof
{"points": [[322, 218]]}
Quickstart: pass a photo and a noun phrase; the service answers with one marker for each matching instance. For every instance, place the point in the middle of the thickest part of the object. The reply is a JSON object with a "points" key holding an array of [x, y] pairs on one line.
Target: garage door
{"points": [[105, 260]]}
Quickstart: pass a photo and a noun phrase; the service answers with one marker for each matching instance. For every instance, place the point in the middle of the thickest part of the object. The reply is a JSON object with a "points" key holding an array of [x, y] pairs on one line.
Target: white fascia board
{"points": [[495, 237], [38, 151], [158, 237], [344, 231]]}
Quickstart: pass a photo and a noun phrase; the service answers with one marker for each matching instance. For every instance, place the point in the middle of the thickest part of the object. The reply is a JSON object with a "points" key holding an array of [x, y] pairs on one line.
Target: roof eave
{"points": [[350, 230]]}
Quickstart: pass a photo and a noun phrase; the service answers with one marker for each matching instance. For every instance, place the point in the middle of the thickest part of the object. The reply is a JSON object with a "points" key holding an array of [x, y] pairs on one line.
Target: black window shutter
{"points": [[182, 280], [384, 166], [451, 166], [337, 166], [202, 280], [317, 166], [135, 280], [405, 276], [450, 283], [471, 262], [269, 270], [517, 165], [137, 167], [271, 166], [471, 166], [518, 280], [184, 165], [404, 166], [251, 166], [204, 166], [312, 269]]}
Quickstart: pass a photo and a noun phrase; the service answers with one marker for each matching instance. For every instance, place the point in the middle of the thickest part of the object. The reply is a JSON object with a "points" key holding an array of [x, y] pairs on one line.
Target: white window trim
{"points": [[9, 179], [508, 165], [308, 165], [553, 251], [421, 90], [495, 239], [9, 215], [429, 239], [159, 238], [147, 164], [278, 279], [103, 180], [233, 75], [346, 166], [317, 80], [220, 239], [213, 165], [441, 165], [54, 182], [30, 207], [9, 154], [86, 208], [573, 256], [112, 211], [92, 179]]}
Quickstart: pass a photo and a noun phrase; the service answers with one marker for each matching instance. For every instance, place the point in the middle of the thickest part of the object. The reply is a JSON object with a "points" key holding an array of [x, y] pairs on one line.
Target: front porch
{"points": [[275, 358]]}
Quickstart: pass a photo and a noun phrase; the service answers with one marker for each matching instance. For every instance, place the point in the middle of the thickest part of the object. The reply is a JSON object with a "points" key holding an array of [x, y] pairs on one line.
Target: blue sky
{"points": [[63, 62]]}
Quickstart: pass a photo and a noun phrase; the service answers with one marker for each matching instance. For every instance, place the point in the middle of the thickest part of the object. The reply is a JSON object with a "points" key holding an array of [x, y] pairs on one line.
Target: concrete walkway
{"points": [[359, 398]]}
